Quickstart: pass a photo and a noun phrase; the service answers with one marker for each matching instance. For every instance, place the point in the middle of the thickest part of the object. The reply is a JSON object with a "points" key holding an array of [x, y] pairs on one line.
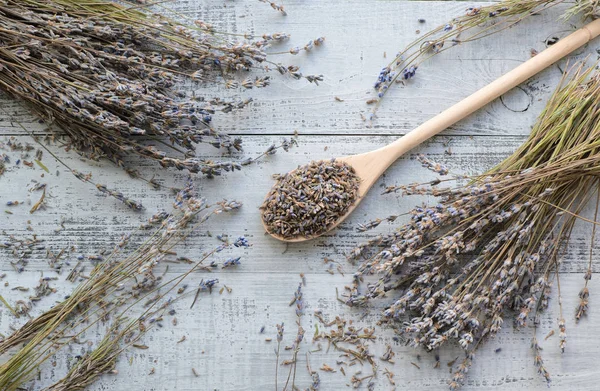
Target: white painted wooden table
{"points": [[224, 343]]}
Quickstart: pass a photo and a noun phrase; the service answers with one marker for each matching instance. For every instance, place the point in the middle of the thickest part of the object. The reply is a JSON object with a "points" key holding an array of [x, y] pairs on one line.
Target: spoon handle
{"points": [[493, 90]]}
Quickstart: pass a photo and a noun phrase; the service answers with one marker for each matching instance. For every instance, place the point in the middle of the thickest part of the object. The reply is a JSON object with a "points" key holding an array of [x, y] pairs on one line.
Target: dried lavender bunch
{"points": [[170, 229], [103, 358], [476, 23], [486, 251], [103, 291], [105, 74], [308, 200]]}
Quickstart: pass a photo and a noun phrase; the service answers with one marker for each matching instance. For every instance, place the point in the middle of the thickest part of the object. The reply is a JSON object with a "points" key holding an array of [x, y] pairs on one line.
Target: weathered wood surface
{"points": [[224, 343], [358, 33]]}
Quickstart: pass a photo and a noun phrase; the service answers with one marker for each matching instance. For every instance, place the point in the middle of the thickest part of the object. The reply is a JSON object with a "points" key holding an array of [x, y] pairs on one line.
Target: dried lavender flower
{"points": [[231, 262]]}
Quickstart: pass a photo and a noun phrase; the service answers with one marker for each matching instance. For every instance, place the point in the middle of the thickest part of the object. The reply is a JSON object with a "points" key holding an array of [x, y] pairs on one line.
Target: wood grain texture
{"points": [[357, 35], [224, 343]]}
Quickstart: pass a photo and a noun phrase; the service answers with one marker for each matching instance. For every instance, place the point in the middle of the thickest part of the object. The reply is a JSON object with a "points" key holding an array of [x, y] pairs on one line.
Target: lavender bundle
{"points": [[112, 284], [487, 251], [106, 74]]}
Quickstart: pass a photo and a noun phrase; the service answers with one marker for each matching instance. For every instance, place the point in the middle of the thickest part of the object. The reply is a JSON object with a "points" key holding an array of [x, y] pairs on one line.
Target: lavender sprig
{"points": [[477, 22]]}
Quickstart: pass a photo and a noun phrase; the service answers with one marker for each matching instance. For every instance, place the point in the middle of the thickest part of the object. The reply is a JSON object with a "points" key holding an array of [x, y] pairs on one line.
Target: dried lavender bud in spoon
{"points": [[310, 199]]}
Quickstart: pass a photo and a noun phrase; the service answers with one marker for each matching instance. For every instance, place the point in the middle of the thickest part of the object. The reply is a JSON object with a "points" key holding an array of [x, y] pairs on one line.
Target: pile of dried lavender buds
{"points": [[488, 251], [310, 199]]}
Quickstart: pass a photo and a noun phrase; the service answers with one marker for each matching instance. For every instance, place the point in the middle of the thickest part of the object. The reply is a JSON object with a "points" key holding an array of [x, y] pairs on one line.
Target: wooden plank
{"points": [[353, 56], [93, 222], [224, 344]]}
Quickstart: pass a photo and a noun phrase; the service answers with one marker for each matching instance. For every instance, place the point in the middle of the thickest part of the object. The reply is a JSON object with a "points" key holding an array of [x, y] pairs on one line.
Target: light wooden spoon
{"points": [[370, 166]]}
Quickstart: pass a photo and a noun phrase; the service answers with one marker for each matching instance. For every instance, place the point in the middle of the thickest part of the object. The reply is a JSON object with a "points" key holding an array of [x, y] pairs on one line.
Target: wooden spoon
{"points": [[370, 165]]}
